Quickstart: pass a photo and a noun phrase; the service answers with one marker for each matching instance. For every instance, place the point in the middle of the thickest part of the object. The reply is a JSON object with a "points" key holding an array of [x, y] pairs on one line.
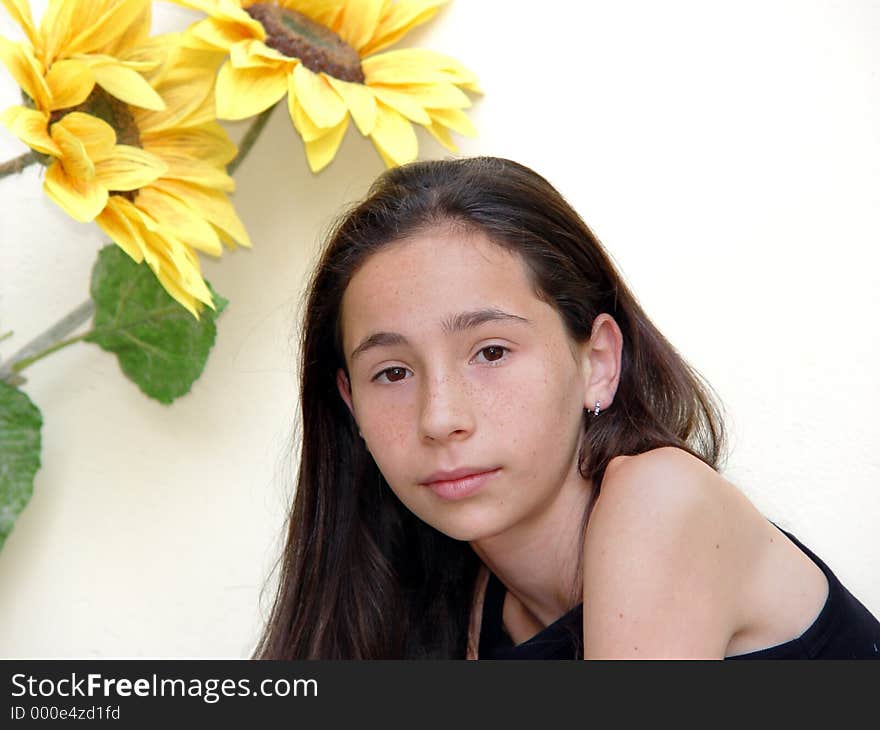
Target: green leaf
{"points": [[20, 422], [161, 347]]}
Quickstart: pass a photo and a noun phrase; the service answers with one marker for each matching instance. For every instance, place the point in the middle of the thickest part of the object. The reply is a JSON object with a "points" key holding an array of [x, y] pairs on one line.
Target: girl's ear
{"points": [[601, 362], [344, 387]]}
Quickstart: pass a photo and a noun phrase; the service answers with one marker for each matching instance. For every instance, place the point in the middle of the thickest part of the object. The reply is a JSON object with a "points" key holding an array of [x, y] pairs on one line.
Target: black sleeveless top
{"points": [[844, 628]]}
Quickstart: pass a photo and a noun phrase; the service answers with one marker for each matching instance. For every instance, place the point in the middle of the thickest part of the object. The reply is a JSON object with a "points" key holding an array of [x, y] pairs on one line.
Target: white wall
{"points": [[728, 156]]}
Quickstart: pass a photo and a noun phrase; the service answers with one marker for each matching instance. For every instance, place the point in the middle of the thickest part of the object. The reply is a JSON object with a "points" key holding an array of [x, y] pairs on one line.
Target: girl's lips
{"points": [[461, 488]]}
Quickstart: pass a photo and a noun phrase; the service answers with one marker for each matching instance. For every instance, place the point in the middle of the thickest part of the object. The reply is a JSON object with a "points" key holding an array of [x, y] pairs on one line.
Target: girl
{"points": [[502, 457]]}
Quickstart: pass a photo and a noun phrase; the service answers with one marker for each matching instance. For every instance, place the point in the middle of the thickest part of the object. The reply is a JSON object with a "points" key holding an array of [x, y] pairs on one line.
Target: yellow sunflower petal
{"points": [[81, 199], [70, 82], [403, 103], [455, 119], [127, 85], [307, 129], [223, 9], [244, 92], [320, 152], [115, 19], [114, 223], [325, 12], [186, 262], [359, 21], [415, 66], [360, 102], [30, 126], [208, 143], [254, 53], [143, 236], [433, 96], [149, 56], [441, 134], [402, 17], [318, 99], [199, 173], [176, 265], [134, 35], [188, 97], [74, 156], [401, 75], [26, 70], [211, 205], [152, 57], [20, 11], [389, 162], [394, 136], [59, 22], [130, 61], [129, 168], [216, 32], [97, 137], [181, 65], [231, 11], [175, 216], [183, 297], [174, 272], [164, 254]]}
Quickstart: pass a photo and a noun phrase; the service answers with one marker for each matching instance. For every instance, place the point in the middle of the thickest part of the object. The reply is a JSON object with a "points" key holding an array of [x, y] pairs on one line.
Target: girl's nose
{"points": [[446, 409]]}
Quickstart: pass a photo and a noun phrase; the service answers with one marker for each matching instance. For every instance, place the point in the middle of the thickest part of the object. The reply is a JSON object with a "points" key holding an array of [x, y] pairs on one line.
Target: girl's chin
{"points": [[467, 532]]}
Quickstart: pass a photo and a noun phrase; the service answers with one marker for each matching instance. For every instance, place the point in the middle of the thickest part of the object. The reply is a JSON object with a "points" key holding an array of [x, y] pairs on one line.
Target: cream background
{"points": [[728, 156]]}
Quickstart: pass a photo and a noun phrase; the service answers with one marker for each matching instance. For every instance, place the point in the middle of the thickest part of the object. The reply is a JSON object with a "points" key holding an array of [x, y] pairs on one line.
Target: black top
{"points": [[844, 628]]}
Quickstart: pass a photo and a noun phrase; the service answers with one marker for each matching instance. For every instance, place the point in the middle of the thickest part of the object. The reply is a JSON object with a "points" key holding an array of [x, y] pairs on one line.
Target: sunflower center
{"points": [[109, 109], [315, 45], [116, 113]]}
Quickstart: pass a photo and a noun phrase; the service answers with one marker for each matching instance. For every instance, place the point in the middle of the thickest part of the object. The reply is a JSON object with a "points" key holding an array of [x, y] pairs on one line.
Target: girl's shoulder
{"points": [[668, 482], [665, 461], [669, 496], [672, 556]]}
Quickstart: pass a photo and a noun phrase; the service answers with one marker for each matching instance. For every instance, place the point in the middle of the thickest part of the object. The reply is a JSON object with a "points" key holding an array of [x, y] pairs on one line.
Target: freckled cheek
{"points": [[546, 403], [387, 428]]}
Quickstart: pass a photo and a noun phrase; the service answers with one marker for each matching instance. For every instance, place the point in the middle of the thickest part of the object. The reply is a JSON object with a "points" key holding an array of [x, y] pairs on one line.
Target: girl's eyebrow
{"points": [[457, 323]]}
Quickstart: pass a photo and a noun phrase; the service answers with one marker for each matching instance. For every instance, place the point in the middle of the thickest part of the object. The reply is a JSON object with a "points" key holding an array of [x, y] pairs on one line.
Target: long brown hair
{"points": [[361, 576]]}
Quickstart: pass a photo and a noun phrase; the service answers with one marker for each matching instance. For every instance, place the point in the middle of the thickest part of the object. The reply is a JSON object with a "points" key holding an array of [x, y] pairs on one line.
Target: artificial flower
{"points": [[324, 55], [152, 177], [80, 43]]}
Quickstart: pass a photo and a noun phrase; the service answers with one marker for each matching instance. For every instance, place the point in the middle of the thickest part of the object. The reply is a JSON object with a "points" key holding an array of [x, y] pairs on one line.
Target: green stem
{"points": [[17, 164], [17, 363], [49, 338], [22, 364], [5, 335], [250, 137]]}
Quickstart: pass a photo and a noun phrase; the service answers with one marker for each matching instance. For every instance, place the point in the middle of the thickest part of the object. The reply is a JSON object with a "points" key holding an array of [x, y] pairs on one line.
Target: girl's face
{"points": [[455, 363]]}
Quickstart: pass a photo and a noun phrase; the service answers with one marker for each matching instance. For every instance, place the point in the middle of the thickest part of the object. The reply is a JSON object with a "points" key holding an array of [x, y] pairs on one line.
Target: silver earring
{"points": [[596, 412]]}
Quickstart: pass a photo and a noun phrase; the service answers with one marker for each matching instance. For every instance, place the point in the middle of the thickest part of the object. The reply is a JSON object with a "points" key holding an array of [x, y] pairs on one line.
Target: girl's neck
{"points": [[538, 560]]}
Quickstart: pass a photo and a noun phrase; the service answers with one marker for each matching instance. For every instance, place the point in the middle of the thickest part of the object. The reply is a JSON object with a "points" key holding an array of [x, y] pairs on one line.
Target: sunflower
{"points": [[80, 43], [154, 177], [324, 54]]}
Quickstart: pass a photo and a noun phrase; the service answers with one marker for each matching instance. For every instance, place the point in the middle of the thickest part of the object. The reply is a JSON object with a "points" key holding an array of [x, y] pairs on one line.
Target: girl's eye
{"points": [[493, 353], [497, 352], [392, 374]]}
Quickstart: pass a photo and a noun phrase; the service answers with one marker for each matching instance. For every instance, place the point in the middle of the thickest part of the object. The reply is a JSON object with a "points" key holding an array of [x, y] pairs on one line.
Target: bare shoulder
{"points": [[661, 490], [668, 549]]}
